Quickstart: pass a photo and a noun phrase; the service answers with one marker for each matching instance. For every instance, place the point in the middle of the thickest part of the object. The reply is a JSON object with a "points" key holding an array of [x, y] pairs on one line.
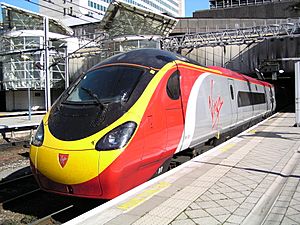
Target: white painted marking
{"points": [[190, 116]]}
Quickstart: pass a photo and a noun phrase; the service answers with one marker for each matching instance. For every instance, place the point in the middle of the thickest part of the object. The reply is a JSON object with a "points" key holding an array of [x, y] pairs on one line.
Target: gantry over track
{"points": [[215, 4], [238, 36]]}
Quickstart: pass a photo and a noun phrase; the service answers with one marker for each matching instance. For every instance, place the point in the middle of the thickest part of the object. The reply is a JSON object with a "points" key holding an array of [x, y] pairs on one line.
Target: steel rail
{"points": [[48, 219], [16, 179], [20, 196]]}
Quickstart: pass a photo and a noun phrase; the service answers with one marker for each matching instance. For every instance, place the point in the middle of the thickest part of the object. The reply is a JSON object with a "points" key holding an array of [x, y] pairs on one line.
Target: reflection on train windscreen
{"points": [[108, 84]]}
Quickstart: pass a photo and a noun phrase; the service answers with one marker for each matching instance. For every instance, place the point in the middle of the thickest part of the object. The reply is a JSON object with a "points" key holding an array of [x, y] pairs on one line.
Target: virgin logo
{"points": [[63, 158], [215, 105]]}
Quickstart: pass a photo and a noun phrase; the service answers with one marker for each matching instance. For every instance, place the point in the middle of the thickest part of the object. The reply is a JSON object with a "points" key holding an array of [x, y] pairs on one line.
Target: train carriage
{"points": [[120, 123]]}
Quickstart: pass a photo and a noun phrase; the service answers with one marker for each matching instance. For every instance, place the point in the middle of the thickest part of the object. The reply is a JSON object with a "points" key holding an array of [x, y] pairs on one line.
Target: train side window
{"points": [[173, 86], [231, 92], [244, 99], [250, 98]]}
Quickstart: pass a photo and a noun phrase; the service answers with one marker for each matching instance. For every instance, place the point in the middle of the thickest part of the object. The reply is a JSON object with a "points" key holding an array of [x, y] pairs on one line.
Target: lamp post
{"points": [[297, 93], [25, 59], [46, 65]]}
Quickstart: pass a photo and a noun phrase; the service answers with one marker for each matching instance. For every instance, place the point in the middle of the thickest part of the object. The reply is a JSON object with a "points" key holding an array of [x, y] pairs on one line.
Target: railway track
{"points": [[50, 218], [13, 189], [16, 143], [23, 196], [20, 196], [8, 181]]}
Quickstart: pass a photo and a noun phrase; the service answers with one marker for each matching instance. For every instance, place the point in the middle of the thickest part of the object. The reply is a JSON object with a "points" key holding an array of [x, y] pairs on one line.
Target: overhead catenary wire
{"points": [[70, 1], [38, 4], [58, 5], [74, 52], [56, 39]]}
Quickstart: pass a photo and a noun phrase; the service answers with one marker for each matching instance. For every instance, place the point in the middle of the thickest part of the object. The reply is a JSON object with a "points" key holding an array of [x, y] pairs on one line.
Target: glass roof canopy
{"points": [[122, 19], [14, 18]]}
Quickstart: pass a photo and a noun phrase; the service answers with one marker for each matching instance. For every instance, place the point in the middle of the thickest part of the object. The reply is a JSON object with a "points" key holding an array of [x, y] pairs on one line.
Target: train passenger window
{"points": [[259, 98], [250, 98], [173, 86], [244, 99], [231, 92]]}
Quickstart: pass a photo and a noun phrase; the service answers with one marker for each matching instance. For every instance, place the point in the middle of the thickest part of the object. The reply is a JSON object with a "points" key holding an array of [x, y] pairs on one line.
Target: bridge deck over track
{"points": [[238, 36]]}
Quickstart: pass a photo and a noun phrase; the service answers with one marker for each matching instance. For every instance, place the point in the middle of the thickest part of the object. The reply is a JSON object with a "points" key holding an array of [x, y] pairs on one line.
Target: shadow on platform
{"points": [[251, 169]]}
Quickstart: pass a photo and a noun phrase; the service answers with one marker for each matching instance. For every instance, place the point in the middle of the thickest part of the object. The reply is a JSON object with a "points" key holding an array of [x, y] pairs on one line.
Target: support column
{"points": [[67, 78], [46, 65], [297, 93]]}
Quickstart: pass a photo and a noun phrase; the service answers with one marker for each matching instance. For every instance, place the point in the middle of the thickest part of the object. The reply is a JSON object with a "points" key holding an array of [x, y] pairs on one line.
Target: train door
{"points": [[174, 111], [267, 98], [272, 99], [233, 97]]}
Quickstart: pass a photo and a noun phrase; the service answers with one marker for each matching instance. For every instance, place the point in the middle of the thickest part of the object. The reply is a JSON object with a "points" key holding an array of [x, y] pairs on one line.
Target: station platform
{"points": [[252, 178], [21, 113], [19, 121]]}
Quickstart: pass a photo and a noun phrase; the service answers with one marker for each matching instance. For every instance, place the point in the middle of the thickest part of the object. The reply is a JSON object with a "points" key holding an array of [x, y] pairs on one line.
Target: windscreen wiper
{"points": [[94, 96]]}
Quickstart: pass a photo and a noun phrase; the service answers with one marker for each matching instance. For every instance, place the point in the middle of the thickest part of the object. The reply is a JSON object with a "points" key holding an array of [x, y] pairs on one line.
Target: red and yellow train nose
{"points": [[70, 172], [74, 167], [67, 171]]}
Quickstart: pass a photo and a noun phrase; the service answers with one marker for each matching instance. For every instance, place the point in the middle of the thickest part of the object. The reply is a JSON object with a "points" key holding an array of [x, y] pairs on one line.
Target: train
{"points": [[120, 123]]}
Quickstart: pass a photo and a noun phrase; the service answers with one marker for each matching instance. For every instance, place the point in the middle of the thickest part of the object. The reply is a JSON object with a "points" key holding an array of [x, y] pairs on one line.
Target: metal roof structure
{"points": [[236, 36], [15, 18], [22, 48], [122, 19]]}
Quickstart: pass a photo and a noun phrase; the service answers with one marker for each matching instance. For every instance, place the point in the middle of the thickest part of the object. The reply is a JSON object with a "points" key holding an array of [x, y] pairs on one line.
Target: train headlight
{"points": [[39, 136], [117, 138]]}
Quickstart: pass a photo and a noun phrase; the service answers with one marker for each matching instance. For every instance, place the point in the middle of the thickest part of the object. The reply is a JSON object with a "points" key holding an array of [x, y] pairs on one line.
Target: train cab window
{"points": [[106, 85], [231, 92], [173, 86]]}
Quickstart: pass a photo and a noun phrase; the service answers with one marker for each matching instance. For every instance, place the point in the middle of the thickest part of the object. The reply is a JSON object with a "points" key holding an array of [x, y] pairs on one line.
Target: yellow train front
{"points": [[91, 143]]}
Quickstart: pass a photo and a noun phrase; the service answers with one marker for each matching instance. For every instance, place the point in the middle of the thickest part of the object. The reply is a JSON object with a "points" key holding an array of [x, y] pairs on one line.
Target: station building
{"points": [[22, 74], [78, 12], [72, 50], [113, 35]]}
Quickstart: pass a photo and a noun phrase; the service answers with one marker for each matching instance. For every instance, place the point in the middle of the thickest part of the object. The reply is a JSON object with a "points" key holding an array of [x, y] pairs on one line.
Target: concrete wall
{"points": [[241, 58], [18, 100], [287, 9], [245, 58], [192, 25]]}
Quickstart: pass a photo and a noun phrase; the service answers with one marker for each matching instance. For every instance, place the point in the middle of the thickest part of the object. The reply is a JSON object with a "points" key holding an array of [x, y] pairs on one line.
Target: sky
{"points": [[190, 5], [194, 5], [22, 4]]}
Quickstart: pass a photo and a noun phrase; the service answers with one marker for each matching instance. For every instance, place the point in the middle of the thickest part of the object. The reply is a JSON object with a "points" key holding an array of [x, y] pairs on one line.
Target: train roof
{"points": [[239, 76], [149, 57], [156, 59]]}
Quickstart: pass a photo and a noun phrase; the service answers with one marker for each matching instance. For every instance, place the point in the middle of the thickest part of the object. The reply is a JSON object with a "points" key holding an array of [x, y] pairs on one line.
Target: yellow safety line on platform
{"points": [[227, 147], [251, 131], [143, 196]]}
